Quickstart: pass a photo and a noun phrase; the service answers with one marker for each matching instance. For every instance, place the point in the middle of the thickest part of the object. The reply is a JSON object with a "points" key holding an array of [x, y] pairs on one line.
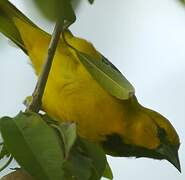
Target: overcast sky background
{"points": [[145, 40]]}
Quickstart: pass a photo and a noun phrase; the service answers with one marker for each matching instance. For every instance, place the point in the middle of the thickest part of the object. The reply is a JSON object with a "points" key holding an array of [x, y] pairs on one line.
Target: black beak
{"points": [[170, 153]]}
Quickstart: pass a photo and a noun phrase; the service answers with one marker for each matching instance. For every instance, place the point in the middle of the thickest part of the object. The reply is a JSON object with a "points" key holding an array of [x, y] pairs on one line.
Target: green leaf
{"points": [[86, 161], [34, 145], [68, 132], [4, 152], [8, 28], [57, 9], [37, 147], [107, 75], [91, 1], [108, 172], [77, 166], [7, 25], [75, 4], [98, 157]]}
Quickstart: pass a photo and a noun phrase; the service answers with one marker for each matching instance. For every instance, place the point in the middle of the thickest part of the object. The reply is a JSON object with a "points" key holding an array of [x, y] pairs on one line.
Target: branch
{"points": [[37, 95]]}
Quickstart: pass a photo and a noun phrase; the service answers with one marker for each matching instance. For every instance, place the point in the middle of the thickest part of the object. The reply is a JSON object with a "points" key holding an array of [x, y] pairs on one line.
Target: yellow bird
{"points": [[121, 127]]}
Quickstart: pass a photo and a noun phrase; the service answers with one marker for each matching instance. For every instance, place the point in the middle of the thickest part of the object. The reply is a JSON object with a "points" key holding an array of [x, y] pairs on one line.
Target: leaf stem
{"points": [[37, 95]]}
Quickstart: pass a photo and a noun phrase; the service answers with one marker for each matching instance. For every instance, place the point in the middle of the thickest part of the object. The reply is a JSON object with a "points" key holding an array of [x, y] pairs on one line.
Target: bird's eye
{"points": [[161, 132]]}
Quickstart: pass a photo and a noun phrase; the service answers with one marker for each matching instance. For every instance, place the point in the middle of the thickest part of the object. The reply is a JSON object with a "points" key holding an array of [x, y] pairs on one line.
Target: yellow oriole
{"points": [[122, 127]]}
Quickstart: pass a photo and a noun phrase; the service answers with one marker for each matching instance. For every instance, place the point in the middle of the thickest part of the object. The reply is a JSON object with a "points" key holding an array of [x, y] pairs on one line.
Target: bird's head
{"points": [[166, 140], [146, 134]]}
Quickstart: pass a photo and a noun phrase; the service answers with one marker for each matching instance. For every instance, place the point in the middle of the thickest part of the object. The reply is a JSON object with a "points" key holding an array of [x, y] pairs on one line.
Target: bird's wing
{"points": [[108, 76]]}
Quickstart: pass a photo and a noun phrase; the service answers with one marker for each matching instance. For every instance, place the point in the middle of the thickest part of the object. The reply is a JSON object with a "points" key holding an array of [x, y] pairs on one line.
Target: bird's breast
{"points": [[82, 100]]}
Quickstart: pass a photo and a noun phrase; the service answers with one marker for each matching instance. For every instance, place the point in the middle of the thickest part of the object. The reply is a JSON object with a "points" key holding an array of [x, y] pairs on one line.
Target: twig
{"points": [[36, 102]]}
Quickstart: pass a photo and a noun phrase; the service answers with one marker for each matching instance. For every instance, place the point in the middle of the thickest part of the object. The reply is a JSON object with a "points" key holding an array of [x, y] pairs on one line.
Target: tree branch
{"points": [[36, 102]]}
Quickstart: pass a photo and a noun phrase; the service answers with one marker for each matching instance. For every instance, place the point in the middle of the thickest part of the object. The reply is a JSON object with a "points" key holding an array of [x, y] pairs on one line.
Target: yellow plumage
{"points": [[122, 127], [71, 93]]}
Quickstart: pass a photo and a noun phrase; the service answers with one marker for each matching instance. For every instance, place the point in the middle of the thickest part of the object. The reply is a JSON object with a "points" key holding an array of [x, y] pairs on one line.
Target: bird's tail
{"points": [[7, 26]]}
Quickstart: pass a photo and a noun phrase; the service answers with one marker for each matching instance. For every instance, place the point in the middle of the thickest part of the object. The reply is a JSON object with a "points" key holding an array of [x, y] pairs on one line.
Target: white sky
{"points": [[146, 41]]}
